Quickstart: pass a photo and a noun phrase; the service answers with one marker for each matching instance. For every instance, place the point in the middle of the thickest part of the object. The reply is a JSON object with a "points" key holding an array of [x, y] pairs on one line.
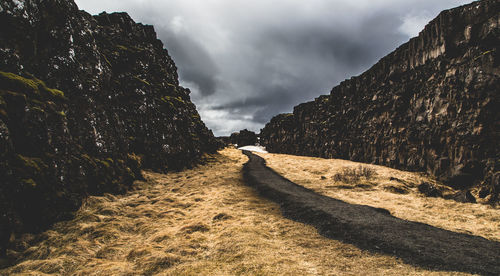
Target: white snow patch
{"points": [[254, 148]]}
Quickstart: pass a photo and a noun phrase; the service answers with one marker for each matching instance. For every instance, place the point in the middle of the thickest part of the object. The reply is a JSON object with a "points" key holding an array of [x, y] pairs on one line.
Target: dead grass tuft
{"points": [[221, 216], [157, 264], [137, 253], [198, 227], [354, 175]]}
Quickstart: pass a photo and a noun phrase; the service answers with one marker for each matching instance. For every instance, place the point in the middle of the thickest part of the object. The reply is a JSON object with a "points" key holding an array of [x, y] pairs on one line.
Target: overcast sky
{"points": [[248, 60]]}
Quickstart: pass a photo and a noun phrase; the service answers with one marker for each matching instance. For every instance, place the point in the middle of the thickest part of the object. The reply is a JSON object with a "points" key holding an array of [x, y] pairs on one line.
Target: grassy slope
{"points": [[378, 191], [201, 221]]}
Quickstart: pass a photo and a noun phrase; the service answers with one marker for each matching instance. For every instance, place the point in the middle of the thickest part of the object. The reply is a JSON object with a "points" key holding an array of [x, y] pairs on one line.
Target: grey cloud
{"points": [[251, 60], [263, 107], [193, 61]]}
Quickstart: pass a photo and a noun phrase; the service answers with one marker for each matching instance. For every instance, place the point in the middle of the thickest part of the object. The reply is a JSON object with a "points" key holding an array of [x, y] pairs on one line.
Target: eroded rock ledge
{"points": [[85, 103], [430, 105]]}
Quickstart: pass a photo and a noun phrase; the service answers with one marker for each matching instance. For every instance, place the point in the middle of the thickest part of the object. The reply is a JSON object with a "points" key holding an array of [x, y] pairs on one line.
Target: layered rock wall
{"points": [[85, 103], [432, 105]]}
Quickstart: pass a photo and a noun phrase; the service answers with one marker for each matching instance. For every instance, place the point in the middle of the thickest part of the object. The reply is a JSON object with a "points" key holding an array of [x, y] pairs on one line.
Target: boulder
{"points": [[429, 190], [463, 197]]}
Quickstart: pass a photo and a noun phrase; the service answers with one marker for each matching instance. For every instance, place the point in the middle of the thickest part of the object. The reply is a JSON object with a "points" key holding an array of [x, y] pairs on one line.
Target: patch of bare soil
{"points": [[203, 221]]}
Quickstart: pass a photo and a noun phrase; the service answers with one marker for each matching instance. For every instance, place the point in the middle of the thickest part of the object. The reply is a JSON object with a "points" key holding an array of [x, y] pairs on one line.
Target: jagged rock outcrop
{"points": [[244, 137], [85, 103], [431, 105], [224, 140]]}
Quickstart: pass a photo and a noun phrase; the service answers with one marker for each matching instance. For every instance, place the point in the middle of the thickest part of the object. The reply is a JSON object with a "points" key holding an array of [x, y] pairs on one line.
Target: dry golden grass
{"points": [[400, 197], [203, 221]]}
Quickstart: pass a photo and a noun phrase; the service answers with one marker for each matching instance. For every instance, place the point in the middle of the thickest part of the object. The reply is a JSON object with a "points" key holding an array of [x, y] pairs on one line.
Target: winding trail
{"points": [[375, 229]]}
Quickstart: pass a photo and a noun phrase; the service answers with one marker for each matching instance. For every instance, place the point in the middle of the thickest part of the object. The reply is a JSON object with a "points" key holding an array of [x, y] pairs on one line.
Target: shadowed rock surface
{"points": [[431, 105], [375, 229], [85, 102], [243, 138]]}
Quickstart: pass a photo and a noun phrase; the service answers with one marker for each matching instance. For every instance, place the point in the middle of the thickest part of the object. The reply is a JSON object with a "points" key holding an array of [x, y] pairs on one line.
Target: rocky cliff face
{"points": [[243, 137], [431, 105], [85, 102]]}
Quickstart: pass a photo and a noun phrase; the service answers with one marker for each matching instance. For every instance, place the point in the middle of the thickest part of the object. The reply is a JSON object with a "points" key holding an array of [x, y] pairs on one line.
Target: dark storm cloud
{"points": [[246, 61], [263, 107], [194, 63]]}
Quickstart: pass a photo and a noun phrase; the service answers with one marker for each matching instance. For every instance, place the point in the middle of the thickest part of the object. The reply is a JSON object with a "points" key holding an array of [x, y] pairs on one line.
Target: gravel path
{"points": [[375, 229]]}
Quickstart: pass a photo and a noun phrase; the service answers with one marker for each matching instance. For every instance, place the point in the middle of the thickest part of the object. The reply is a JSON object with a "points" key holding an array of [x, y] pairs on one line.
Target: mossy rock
{"points": [[33, 165], [123, 48], [37, 102], [106, 59], [142, 81], [131, 49], [175, 101], [87, 158], [136, 159], [54, 92], [16, 96], [30, 86], [29, 183], [37, 109], [19, 84], [104, 163]]}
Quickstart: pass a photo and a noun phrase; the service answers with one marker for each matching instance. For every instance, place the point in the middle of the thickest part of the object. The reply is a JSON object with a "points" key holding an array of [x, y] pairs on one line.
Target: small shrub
{"points": [[354, 175]]}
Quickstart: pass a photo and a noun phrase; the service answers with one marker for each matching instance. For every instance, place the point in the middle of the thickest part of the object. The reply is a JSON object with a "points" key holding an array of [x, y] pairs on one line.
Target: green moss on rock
{"points": [[142, 81], [32, 86], [123, 48], [30, 162], [106, 164], [20, 83], [29, 183], [54, 92], [36, 108]]}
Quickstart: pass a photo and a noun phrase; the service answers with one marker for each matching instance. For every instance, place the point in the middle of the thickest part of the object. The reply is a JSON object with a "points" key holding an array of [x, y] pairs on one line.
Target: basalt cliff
{"points": [[86, 102], [431, 105]]}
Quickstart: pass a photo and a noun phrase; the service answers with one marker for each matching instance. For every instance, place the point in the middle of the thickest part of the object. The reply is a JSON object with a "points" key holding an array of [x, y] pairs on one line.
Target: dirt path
{"points": [[375, 229]]}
